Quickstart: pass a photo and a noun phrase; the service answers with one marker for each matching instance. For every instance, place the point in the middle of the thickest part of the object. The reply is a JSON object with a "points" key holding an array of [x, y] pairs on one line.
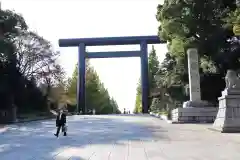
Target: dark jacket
{"points": [[61, 121]]}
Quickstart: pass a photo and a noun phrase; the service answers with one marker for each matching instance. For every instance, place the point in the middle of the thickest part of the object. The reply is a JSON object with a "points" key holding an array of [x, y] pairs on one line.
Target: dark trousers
{"points": [[58, 130]]}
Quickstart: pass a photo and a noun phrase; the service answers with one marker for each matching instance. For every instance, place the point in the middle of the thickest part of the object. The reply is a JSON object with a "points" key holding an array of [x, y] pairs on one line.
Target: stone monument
{"points": [[228, 116], [194, 110]]}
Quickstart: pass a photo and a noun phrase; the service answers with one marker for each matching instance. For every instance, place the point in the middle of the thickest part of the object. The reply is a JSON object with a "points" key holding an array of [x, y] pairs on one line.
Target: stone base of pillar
{"points": [[194, 112], [228, 116]]}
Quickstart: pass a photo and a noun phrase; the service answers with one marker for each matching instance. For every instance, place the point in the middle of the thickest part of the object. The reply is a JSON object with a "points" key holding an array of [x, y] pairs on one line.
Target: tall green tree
{"points": [[138, 100], [207, 26], [203, 24], [97, 96], [170, 82], [153, 64]]}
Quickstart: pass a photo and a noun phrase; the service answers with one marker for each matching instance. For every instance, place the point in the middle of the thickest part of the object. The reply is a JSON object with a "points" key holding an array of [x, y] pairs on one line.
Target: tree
{"points": [[153, 64], [170, 81], [138, 100], [11, 25], [37, 59], [204, 25], [97, 96], [115, 106], [36, 56], [207, 26], [26, 59]]}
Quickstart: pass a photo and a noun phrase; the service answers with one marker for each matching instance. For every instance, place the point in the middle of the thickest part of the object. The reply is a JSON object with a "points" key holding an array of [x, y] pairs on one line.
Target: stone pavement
{"points": [[117, 137]]}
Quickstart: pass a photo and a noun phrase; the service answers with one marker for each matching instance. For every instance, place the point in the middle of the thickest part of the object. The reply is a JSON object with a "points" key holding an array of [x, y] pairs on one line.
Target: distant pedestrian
{"points": [[61, 123]]}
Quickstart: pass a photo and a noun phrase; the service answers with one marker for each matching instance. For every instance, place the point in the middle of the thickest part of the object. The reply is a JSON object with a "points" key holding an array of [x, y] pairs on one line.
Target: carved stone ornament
{"points": [[232, 80]]}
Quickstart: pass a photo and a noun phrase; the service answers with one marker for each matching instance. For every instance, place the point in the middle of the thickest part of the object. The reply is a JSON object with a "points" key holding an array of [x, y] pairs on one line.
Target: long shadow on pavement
{"points": [[35, 139]]}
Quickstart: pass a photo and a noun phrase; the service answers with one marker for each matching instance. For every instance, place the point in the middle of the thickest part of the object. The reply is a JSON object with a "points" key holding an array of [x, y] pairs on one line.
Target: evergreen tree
{"points": [[153, 69], [138, 100], [97, 96], [207, 26], [153, 65]]}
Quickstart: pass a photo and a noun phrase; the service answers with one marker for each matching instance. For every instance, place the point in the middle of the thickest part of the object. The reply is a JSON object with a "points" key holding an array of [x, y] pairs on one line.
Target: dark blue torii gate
{"points": [[81, 43]]}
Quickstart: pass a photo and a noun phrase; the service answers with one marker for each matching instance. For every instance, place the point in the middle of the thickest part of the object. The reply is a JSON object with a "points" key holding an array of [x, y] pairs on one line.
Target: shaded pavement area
{"points": [[117, 137]]}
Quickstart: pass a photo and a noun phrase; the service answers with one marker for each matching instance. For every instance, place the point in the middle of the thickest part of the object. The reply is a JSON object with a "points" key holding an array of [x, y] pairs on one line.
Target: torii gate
{"points": [[81, 43]]}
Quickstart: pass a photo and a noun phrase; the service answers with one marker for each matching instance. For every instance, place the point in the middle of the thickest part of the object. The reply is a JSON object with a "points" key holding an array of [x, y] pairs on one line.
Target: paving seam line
{"points": [[114, 143], [93, 153], [145, 153]]}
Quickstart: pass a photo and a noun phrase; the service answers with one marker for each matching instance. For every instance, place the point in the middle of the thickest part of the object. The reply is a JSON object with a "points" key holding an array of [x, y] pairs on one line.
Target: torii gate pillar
{"points": [[144, 77]]}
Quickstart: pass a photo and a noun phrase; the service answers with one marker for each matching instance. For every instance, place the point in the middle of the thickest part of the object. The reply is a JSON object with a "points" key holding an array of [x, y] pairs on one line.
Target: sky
{"points": [[55, 19]]}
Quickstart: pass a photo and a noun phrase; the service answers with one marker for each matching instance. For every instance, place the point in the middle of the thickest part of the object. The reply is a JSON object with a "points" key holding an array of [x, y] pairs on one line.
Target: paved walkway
{"points": [[117, 137]]}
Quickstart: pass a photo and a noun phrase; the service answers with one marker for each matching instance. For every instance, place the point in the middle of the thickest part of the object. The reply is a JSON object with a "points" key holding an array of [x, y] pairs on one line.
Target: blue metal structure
{"points": [[81, 43]]}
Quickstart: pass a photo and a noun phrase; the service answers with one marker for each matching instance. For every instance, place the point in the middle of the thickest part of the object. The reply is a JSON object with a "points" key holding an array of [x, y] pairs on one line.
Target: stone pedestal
{"points": [[228, 116], [194, 112]]}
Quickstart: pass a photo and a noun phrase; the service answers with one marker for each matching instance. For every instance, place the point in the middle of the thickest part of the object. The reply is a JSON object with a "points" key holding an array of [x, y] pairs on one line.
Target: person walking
{"points": [[61, 123]]}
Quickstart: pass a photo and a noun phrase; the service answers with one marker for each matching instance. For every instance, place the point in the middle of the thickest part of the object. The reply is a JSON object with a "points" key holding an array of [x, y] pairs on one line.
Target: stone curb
{"points": [[162, 117], [192, 122]]}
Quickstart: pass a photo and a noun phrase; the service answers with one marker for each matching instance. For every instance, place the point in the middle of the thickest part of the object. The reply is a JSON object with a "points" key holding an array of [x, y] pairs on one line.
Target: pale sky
{"points": [[55, 19]]}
